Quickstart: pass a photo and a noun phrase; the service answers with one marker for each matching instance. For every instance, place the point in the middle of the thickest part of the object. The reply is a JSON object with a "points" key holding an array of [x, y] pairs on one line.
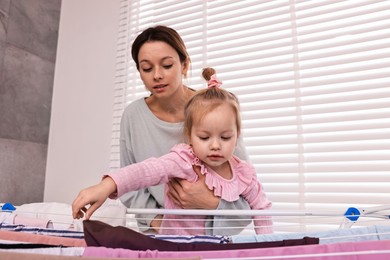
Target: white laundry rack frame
{"points": [[350, 216]]}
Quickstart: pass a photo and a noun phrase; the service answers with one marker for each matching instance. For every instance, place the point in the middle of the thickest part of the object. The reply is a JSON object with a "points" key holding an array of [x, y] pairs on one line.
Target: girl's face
{"points": [[214, 138], [160, 68]]}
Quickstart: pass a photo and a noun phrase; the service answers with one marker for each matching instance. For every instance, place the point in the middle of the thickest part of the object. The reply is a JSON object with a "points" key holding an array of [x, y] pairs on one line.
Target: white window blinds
{"points": [[313, 79]]}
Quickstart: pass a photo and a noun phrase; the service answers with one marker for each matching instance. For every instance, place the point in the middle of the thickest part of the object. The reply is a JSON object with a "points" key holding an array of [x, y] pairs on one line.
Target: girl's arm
{"points": [[153, 171], [150, 172]]}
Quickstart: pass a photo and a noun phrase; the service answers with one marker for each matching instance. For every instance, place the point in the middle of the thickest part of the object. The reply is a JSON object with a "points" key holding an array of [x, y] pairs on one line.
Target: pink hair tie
{"points": [[214, 82]]}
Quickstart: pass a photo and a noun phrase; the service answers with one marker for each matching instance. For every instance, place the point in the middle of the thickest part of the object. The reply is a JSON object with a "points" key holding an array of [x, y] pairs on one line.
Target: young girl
{"points": [[212, 126]]}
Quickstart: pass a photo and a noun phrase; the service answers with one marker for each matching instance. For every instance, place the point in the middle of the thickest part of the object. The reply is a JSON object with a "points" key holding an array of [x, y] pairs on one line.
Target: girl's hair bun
{"points": [[207, 73]]}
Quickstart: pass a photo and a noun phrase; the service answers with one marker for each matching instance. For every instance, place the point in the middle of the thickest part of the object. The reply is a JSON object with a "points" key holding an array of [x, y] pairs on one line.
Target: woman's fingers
{"points": [[173, 194]]}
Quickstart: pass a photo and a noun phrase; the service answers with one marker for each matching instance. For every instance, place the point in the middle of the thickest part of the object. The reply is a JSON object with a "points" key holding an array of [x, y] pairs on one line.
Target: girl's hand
{"points": [[94, 196], [189, 195]]}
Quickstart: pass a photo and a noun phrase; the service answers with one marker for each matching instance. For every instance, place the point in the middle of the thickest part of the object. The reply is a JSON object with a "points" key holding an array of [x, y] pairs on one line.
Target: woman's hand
{"points": [[189, 195], [156, 223], [95, 196]]}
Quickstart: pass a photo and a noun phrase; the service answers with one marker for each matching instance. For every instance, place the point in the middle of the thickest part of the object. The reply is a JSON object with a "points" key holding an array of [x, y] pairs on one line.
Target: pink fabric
{"points": [[6, 255], [41, 239], [179, 164], [214, 82], [31, 222], [367, 250]]}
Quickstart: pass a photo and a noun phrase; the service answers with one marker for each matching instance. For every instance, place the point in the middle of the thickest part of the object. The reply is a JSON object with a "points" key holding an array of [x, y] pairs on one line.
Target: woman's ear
{"points": [[185, 65]]}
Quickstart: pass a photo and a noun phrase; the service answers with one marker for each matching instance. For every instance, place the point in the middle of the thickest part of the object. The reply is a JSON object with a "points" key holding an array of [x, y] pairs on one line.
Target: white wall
{"points": [[80, 127]]}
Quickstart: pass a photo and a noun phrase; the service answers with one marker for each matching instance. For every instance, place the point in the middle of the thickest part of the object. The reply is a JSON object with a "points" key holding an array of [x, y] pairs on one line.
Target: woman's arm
{"points": [[198, 196], [192, 195]]}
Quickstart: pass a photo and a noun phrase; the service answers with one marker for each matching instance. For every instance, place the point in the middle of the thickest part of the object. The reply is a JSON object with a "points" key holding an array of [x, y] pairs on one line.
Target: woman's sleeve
{"points": [[135, 199], [220, 224]]}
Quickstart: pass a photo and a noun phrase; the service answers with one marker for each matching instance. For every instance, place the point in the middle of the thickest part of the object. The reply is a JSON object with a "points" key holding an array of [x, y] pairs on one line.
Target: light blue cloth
{"points": [[326, 237], [383, 232]]}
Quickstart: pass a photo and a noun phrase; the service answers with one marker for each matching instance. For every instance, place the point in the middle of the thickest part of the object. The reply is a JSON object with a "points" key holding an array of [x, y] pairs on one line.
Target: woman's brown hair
{"points": [[163, 34]]}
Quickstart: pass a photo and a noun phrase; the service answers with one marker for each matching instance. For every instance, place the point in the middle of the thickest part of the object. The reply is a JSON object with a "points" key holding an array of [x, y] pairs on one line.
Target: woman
{"points": [[151, 126]]}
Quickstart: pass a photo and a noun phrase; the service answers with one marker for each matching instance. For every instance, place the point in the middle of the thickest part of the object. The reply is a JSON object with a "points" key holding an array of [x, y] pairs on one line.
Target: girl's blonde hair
{"points": [[205, 101]]}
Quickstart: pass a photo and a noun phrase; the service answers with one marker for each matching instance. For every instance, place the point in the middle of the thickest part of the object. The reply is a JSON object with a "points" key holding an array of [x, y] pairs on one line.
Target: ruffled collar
{"points": [[229, 190]]}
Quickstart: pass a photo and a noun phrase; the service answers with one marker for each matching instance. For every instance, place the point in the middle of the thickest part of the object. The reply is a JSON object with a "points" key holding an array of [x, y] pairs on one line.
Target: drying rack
{"points": [[345, 219]]}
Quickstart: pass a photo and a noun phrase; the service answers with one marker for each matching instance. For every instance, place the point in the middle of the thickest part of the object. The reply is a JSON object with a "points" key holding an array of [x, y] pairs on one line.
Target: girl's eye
{"points": [[168, 66], [226, 137], [203, 138]]}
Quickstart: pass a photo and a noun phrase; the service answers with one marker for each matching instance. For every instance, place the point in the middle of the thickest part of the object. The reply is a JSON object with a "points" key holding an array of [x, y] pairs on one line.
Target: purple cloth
{"points": [[367, 250]]}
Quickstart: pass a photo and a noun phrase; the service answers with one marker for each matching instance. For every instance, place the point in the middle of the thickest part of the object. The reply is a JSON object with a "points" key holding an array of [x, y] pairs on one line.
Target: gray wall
{"points": [[28, 43]]}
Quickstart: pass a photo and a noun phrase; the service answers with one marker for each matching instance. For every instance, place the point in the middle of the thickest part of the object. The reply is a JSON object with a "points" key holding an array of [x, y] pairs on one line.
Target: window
{"points": [[313, 79]]}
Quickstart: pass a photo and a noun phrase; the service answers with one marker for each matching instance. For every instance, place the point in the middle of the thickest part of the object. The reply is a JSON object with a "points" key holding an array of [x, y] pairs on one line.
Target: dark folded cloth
{"points": [[97, 233]]}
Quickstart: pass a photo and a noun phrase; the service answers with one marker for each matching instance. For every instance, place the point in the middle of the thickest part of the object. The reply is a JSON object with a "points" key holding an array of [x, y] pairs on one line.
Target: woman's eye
{"points": [[226, 137], [147, 70], [168, 66]]}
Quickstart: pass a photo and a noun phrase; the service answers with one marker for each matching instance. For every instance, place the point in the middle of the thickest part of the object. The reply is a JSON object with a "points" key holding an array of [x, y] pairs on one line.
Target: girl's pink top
{"points": [[179, 163]]}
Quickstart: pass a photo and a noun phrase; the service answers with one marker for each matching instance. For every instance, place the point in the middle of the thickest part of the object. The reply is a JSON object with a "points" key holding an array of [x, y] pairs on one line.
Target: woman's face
{"points": [[160, 68]]}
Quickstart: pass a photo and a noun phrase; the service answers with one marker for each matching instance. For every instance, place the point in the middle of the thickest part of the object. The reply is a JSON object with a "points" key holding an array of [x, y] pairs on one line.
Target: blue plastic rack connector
{"points": [[8, 207], [352, 213]]}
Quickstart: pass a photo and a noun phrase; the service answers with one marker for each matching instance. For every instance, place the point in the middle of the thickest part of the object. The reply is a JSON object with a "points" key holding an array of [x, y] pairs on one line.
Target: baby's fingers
{"points": [[79, 205], [80, 213], [92, 209]]}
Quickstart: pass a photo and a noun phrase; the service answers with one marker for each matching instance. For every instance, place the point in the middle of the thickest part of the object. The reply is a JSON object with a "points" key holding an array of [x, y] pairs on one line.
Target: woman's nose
{"points": [[158, 74]]}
